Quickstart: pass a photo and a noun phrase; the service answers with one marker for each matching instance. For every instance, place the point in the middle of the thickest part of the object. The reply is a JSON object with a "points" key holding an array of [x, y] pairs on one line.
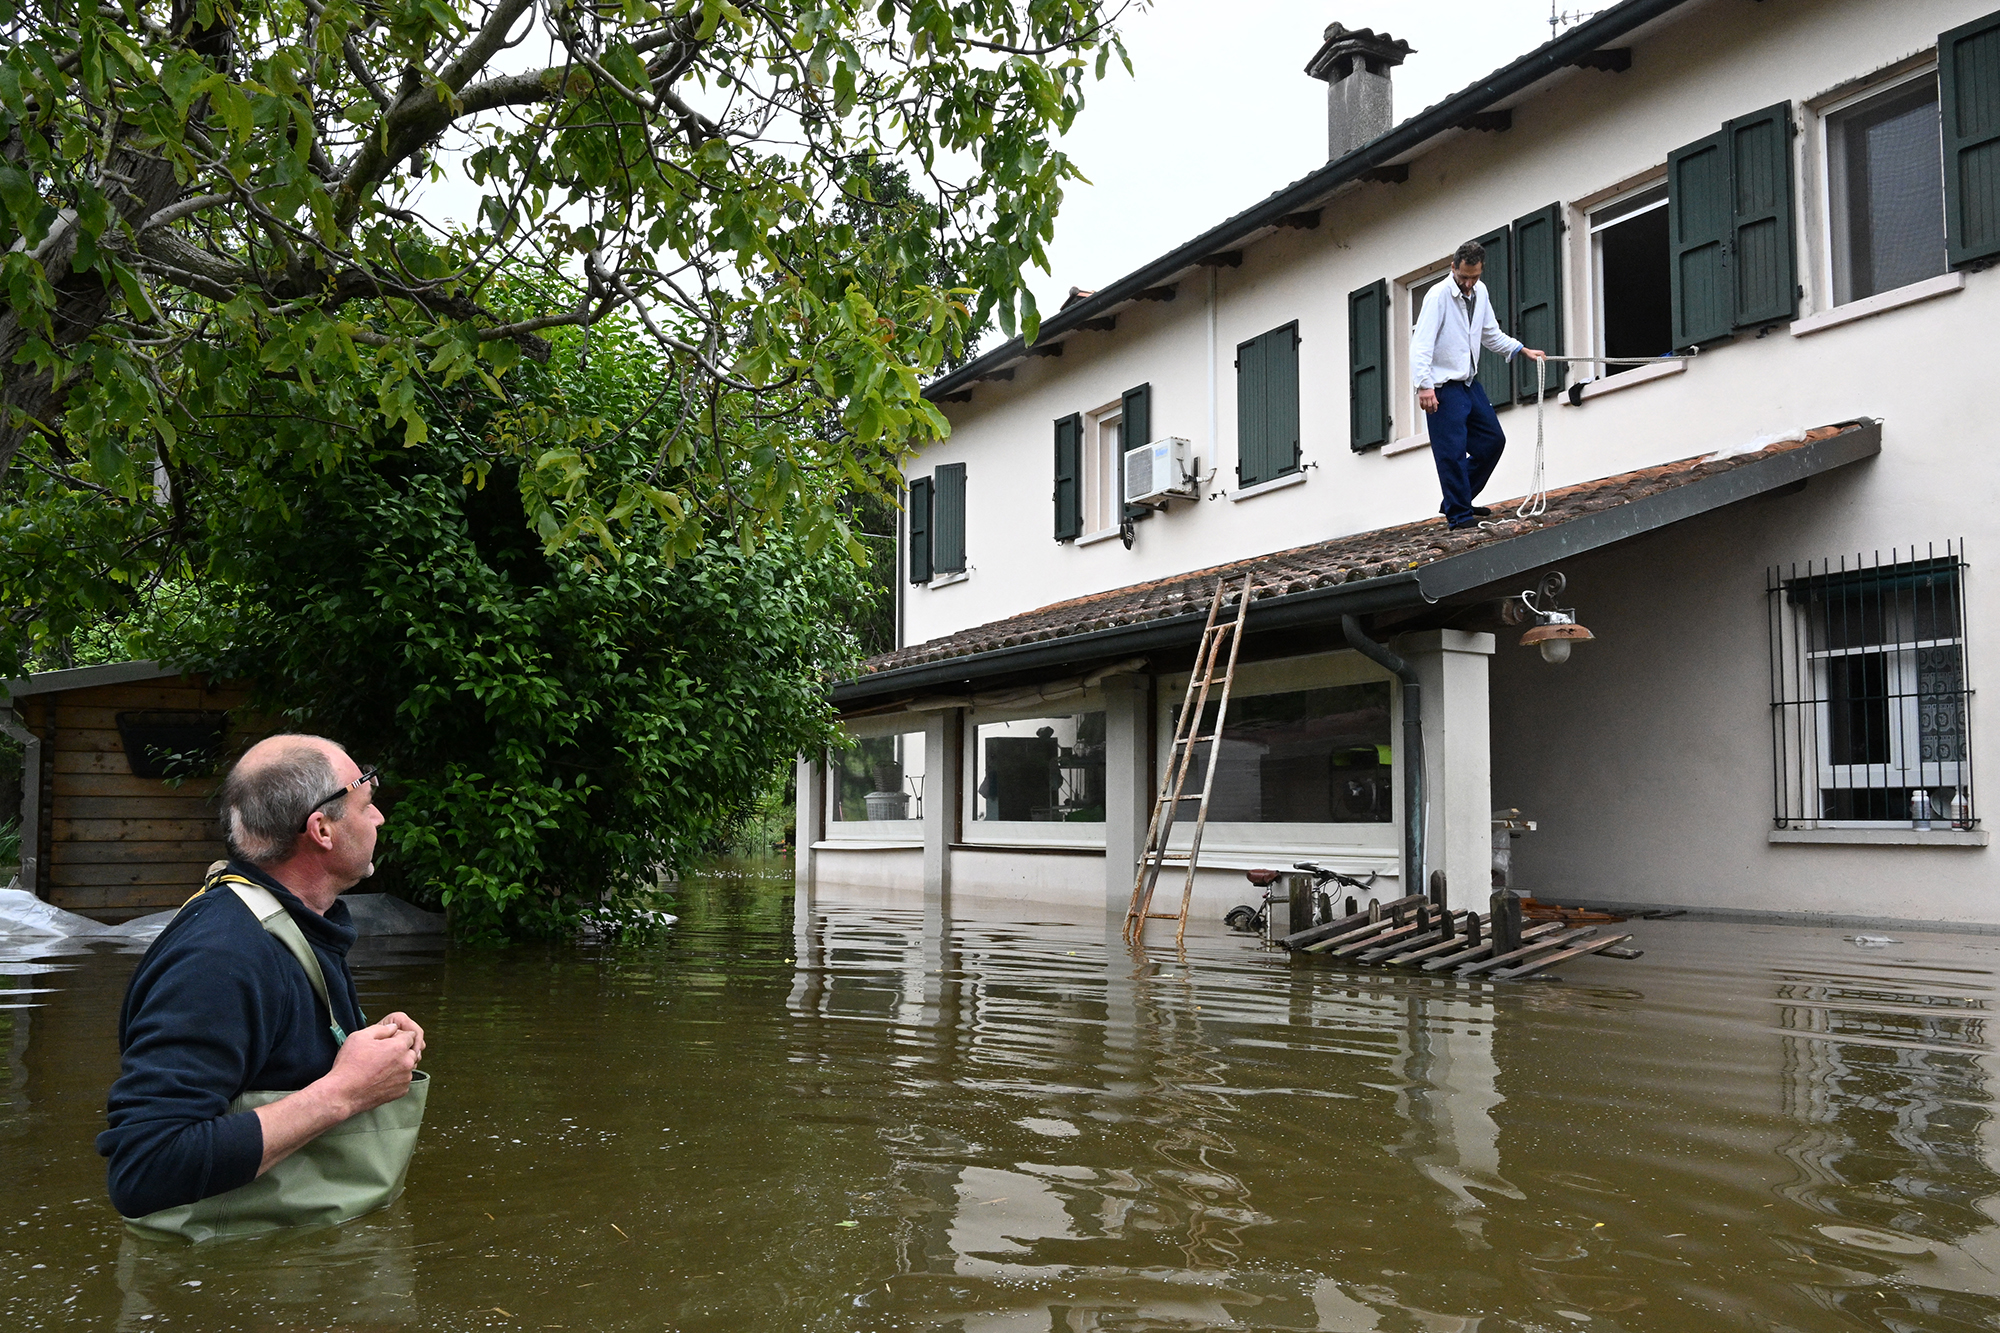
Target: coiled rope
{"points": [[1537, 501]]}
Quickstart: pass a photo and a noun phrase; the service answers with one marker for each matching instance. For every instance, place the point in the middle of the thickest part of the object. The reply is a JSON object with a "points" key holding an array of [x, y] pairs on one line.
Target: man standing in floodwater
{"points": [[242, 1040], [1466, 440]]}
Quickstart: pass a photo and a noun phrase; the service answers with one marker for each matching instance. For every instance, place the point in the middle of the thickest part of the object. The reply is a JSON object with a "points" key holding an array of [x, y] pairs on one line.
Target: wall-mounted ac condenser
{"points": [[1158, 471]]}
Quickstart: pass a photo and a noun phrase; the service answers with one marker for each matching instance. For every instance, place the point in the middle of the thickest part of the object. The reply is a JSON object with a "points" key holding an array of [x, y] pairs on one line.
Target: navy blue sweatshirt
{"points": [[218, 1007]]}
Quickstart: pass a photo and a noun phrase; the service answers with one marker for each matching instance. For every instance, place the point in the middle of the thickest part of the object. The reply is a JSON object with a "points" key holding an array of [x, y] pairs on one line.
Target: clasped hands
{"points": [[375, 1064]]}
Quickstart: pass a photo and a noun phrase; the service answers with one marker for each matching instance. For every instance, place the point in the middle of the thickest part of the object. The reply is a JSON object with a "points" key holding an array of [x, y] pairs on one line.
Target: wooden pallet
{"points": [[1410, 934]]}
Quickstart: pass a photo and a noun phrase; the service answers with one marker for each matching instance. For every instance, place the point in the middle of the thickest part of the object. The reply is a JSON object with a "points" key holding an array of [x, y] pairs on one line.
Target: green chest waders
{"points": [[353, 1168]]}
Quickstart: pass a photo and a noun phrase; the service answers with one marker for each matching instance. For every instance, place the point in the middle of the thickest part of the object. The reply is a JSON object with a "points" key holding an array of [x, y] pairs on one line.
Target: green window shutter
{"points": [[1135, 427], [1368, 418], [1969, 102], [1538, 295], [1253, 376], [1699, 216], [1763, 251], [948, 518], [920, 530], [1069, 478], [1496, 376], [1281, 440]]}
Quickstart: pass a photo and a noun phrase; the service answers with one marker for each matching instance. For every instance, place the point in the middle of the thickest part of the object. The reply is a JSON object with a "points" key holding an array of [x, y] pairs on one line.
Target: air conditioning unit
{"points": [[1158, 471]]}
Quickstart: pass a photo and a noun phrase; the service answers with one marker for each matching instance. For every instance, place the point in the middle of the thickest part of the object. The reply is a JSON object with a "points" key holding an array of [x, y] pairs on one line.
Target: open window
{"points": [[1632, 301]]}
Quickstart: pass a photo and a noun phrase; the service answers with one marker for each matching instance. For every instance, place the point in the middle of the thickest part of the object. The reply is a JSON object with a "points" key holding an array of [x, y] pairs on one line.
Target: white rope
{"points": [[1537, 502]]}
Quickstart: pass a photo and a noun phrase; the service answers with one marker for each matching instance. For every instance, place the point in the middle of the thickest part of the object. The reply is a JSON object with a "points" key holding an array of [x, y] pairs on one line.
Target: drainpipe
{"points": [[1416, 810]]}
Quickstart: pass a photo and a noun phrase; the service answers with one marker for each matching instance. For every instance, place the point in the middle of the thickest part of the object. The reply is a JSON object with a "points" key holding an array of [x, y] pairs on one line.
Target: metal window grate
{"points": [[1870, 710]]}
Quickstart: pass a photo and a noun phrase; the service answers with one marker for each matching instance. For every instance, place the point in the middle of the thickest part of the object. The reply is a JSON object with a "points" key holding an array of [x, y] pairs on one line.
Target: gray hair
{"points": [[1472, 252], [264, 807]]}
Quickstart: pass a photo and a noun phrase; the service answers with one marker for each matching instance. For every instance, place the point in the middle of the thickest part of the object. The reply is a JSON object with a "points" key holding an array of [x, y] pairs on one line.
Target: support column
{"points": [[809, 815], [944, 767], [1128, 787], [1458, 754]]}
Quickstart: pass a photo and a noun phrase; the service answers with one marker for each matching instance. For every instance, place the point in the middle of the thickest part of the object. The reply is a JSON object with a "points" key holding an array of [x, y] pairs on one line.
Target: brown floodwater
{"points": [[859, 1117]]}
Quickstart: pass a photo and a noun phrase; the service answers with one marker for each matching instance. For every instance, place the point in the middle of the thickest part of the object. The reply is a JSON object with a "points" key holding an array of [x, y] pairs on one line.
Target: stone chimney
{"points": [[1356, 65]]}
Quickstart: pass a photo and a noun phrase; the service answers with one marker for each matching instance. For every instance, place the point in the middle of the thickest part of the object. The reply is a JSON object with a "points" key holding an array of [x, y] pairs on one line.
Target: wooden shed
{"points": [[109, 828]]}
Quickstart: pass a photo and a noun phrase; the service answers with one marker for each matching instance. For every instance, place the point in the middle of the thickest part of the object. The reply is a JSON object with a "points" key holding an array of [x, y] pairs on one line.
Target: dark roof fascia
{"points": [[83, 678], [1536, 550], [1413, 134], [1314, 606]]}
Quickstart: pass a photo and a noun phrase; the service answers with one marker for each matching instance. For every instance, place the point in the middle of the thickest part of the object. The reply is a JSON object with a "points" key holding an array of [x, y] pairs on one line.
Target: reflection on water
{"points": [[847, 1117]]}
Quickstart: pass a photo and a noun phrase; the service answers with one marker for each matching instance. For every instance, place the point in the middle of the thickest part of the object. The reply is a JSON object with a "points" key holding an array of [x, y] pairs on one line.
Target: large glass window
{"points": [[881, 778], [1303, 757], [1633, 287], [1040, 770], [1885, 182]]}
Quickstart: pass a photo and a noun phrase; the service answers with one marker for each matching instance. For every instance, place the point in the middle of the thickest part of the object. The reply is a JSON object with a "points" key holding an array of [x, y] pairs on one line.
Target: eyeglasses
{"points": [[371, 777]]}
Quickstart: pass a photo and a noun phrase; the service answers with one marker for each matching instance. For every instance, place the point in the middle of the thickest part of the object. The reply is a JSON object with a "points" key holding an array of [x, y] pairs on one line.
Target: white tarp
{"points": [[22, 913]]}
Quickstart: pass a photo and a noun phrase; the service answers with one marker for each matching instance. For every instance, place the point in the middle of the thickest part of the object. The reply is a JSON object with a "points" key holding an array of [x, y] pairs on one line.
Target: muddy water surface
{"points": [[861, 1118]]}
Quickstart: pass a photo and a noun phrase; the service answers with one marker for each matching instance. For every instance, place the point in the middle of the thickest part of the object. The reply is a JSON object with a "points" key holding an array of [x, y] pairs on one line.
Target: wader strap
{"points": [[273, 917]]}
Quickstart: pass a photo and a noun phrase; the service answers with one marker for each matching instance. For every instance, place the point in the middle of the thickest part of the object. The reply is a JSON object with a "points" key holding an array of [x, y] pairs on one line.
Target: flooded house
{"points": [[1767, 519]]}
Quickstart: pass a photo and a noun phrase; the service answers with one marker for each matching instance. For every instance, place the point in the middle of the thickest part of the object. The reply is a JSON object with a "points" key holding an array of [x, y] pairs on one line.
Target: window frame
{"points": [[875, 830], [1404, 306], [1382, 842], [1001, 833], [1804, 705], [1095, 420], [1592, 304], [1822, 232]]}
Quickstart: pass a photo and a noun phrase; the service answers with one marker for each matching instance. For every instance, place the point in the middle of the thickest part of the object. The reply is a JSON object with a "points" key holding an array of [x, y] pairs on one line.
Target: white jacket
{"points": [[1442, 346]]}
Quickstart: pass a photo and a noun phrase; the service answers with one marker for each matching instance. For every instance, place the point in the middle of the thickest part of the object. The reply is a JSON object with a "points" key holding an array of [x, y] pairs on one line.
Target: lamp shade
{"points": [[1554, 640]]}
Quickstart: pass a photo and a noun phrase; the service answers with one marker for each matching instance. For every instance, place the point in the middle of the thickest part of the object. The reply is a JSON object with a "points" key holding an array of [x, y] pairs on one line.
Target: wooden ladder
{"points": [[1187, 735]]}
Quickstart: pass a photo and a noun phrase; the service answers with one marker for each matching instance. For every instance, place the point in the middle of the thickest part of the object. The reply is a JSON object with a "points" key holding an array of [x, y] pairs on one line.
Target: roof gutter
{"points": [[1315, 606], [1381, 151]]}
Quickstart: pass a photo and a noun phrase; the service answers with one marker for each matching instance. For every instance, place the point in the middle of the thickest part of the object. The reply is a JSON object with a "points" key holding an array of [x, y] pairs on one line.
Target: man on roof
{"points": [[242, 1040], [1466, 440]]}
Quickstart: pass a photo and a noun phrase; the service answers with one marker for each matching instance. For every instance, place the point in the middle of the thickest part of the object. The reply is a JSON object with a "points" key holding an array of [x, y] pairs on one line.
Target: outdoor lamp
{"points": [[1550, 627]]}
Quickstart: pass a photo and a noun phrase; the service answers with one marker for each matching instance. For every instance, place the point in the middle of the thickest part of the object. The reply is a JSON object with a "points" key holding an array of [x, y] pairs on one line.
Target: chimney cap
{"points": [[1335, 58]]}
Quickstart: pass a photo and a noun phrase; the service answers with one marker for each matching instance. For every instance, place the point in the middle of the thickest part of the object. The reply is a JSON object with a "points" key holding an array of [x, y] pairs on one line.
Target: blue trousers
{"points": [[1466, 443]]}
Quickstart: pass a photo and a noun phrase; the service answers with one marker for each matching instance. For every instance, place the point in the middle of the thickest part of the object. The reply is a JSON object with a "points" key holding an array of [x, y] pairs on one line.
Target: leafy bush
{"points": [[557, 727]]}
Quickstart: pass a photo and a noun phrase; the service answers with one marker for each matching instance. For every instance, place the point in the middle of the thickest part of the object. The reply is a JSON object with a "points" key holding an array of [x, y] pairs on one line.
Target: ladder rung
{"points": [[1192, 740], [1163, 916]]}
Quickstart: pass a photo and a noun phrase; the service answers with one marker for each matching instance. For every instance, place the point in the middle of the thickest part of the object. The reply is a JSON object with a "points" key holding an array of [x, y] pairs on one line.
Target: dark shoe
{"points": [[1478, 511], [1463, 523]]}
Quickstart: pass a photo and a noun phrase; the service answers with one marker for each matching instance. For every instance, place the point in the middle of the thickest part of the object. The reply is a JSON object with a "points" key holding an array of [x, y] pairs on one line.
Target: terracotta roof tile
{"points": [[1352, 559]]}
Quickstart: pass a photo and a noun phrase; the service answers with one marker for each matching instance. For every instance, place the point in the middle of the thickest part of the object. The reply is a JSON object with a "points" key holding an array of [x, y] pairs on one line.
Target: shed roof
{"points": [[1409, 565], [80, 678], [1382, 158]]}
